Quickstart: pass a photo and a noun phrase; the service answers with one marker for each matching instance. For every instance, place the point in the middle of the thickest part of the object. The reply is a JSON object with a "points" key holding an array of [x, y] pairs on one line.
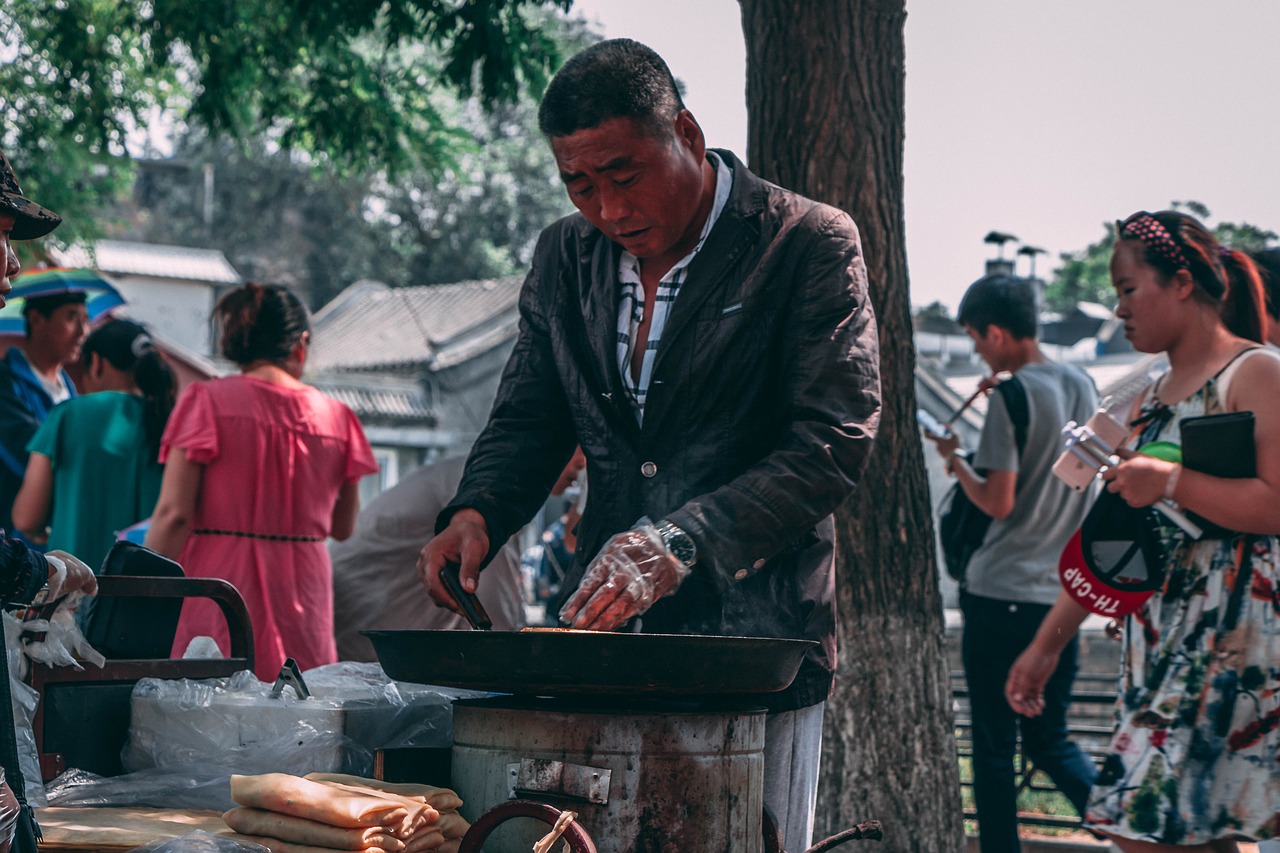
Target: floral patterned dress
{"points": [[1196, 751]]}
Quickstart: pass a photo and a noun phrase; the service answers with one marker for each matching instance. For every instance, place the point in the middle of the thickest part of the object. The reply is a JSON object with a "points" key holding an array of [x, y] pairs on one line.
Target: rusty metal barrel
{"points": [[658, 778]]}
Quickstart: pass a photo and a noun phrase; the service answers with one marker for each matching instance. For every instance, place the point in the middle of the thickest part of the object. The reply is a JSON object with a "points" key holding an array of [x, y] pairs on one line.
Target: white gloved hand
{"points": [[67, 574], [631, 572]]}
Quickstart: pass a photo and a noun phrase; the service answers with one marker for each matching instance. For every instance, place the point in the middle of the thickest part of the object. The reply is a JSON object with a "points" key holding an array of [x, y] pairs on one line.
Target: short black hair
{"points": [[618, 78], [1268, 264], [46, 305], [1000, 300]]}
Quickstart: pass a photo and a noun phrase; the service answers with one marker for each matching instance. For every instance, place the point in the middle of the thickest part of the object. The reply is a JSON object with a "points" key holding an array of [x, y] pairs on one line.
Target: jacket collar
{"points": [[18, 364]]}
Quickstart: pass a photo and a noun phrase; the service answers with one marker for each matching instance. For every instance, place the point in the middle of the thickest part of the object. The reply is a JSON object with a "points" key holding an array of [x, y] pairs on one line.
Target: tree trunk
{"points": [[825, 93]]}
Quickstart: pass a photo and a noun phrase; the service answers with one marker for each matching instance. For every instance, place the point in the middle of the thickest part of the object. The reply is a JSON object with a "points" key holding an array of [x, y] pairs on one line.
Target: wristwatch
{"points": [[679, 543]]}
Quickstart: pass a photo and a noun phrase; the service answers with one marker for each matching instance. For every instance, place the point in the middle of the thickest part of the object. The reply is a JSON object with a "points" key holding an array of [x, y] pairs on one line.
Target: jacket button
{"points": [[758, 564], [740, 575], [648, 469]]}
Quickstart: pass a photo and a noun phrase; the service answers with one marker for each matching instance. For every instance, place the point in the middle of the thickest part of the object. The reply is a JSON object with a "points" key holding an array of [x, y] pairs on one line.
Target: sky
{"points": [[1040, 119]]}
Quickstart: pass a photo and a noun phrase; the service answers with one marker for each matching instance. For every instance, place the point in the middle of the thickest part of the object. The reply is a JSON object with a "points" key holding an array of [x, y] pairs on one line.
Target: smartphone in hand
{"points": [[932, 425]]}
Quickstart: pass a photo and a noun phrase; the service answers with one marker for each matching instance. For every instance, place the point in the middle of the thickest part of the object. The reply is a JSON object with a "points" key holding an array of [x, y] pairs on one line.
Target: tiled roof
{"points": [[401, 403], [370, 325], [126, 258]]}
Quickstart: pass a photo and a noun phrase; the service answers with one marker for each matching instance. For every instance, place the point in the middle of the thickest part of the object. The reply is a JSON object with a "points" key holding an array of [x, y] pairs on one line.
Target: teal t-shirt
{"points": [[105, 477]]}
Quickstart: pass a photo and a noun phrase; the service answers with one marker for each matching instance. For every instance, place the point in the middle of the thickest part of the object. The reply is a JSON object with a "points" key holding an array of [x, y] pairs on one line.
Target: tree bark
{"points": [[825, 98]]}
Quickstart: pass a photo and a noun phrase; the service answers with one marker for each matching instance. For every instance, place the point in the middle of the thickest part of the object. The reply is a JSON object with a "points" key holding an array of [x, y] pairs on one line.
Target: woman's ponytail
{"points": [[1244, 304], [158, 385]]}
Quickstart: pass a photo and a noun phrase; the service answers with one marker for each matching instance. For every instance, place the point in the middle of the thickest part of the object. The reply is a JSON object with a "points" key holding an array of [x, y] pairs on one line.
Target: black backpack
{"points": [[961, 525]]}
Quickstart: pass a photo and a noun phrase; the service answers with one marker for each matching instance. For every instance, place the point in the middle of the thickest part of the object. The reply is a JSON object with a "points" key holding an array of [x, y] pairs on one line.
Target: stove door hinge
{"points": [[534, 777]]}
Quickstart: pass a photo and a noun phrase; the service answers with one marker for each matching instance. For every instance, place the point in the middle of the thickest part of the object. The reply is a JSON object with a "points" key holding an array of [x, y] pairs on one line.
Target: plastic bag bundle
{"points": [[24, 701], [63, 643]]}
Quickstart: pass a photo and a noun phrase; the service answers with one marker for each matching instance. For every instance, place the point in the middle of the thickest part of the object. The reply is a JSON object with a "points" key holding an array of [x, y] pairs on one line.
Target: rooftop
{"points": [[122, 257], [402, 403], [370, 325]]}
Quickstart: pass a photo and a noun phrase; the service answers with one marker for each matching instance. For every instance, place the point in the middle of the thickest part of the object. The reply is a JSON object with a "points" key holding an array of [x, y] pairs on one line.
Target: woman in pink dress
{"points": [[259, 470]]}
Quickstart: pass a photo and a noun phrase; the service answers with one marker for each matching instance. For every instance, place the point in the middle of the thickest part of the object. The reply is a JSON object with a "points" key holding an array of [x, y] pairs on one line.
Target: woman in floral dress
{"points": [[1194, 762]]}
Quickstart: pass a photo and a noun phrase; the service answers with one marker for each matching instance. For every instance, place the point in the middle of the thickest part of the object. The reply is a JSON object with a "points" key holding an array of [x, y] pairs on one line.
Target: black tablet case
{"points": [[1221, 446]]}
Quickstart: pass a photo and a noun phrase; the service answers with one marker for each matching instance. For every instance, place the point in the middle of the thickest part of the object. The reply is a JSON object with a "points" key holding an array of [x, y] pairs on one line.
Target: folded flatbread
{"points": [[424, 842], [300, 830], [441, 799], [452, 825], [293, 795]]}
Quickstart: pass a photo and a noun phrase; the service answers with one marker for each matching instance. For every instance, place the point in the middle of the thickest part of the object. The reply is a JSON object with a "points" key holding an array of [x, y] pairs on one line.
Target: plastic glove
{"points": [[67, 574], [631, 572]]}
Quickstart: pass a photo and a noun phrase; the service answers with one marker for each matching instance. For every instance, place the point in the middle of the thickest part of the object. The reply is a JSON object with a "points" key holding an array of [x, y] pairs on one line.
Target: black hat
{"points": [[32, 220]]}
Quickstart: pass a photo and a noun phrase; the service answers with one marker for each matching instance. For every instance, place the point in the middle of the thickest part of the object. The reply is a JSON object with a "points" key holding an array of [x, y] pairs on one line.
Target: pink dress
{"points": [[274, 458]]}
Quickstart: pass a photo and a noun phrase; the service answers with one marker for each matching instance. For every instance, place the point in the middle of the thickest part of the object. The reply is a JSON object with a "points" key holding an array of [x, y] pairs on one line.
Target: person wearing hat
{"points": [[24, 572], [32, 378]]}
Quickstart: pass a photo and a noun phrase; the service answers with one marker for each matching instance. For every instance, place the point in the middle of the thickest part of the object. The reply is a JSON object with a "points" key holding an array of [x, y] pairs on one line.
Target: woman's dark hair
{"points": [[619, 78], [128, 346], [1224, 278], [261, 322], [1268, 263], [1000, 300]]}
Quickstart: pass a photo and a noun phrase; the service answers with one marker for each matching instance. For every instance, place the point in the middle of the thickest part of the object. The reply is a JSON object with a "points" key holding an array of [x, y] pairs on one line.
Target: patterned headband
{"points": [[1145, 227]]}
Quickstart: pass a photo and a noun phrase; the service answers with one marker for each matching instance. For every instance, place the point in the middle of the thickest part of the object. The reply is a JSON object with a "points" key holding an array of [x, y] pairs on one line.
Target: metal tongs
{"points": [[472, 609], [291, 676]]}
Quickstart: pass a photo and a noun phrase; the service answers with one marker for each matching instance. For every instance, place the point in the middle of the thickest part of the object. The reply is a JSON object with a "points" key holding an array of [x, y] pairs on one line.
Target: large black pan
{"points": [[554, 663]]}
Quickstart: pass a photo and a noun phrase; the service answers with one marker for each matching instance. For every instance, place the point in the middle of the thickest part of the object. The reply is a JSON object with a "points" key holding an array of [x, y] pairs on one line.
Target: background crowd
{"points": [[247, 477]]}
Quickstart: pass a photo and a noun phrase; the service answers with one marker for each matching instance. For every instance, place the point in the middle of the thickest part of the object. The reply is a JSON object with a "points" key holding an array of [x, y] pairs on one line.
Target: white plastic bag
{"points": [[63, 643], [25, 699]]}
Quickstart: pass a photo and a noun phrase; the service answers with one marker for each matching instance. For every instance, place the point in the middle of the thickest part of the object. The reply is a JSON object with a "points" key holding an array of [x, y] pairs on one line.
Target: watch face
{"points": [[680, 543]]}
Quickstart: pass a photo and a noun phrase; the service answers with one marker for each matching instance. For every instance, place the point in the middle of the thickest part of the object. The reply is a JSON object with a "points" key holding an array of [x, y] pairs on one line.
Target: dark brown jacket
{"points": [[758, 421]]}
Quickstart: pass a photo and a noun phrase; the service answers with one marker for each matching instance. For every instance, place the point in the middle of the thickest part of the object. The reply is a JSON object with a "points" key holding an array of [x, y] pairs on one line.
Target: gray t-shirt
{"points": [[1018, 560]]}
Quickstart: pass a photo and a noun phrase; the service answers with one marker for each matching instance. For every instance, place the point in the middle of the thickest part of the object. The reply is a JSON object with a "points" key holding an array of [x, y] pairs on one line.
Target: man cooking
{"points": [[707, 338]]}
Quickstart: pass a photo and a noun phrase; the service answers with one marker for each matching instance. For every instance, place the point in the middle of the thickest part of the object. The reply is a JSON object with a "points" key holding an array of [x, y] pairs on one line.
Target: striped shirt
{"points": [[631, 305]]}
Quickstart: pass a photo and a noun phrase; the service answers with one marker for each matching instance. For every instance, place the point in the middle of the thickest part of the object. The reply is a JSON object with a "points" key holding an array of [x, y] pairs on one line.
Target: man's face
{"points": [[62, 332], [11, 267], [643, 189], [987, 346]]}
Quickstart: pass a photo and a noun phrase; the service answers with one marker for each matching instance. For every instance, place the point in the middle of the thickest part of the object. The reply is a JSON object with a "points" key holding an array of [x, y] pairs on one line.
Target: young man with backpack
{"points": [[1011, 579]]}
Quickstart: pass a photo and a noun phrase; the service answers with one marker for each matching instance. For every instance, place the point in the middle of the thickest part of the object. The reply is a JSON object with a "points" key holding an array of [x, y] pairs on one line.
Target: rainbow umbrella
{"points": [[101, 295]]}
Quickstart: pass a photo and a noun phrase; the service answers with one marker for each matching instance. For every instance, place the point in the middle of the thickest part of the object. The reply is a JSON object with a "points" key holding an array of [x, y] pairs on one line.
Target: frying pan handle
{"points": [[574, 834], [470, 604]]}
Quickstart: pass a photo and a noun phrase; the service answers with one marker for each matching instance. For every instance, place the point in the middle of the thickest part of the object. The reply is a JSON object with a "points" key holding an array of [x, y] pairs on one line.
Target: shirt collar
{"points": [[724, 184]]}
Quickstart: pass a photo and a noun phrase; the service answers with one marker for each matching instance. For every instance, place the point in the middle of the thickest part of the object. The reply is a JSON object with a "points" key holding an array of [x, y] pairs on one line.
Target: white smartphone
{"points": [[932, 425], [1089, 449]]}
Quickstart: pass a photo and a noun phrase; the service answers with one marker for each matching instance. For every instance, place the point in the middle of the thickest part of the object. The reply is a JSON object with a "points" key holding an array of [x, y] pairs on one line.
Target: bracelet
{"points": [[951, 459], [1171, 484]]}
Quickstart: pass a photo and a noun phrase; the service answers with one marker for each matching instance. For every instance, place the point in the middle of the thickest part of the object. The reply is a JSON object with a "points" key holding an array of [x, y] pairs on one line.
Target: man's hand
{"points": [[946, 444], [67, 574], [466, 542], [631, 572]]}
